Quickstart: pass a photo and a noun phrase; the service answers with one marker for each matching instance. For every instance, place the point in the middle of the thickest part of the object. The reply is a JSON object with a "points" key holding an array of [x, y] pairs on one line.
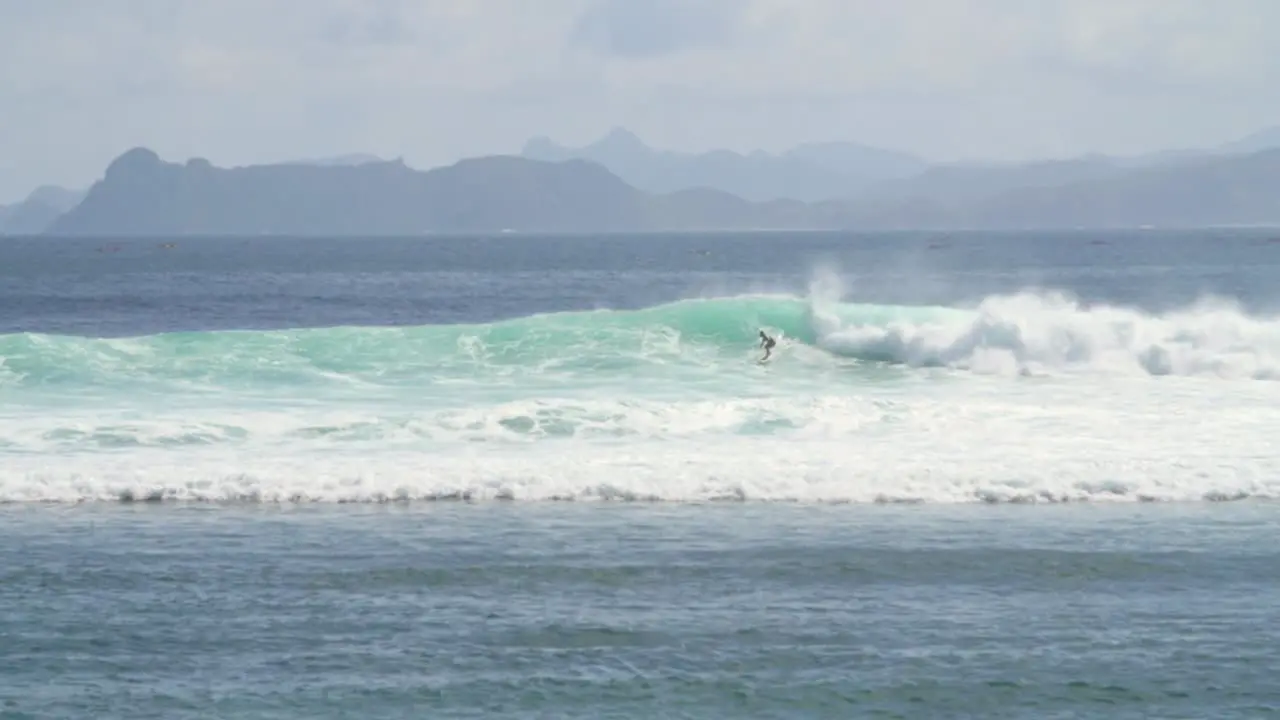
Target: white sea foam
{"points": [[968, 440], [1031, 332]]}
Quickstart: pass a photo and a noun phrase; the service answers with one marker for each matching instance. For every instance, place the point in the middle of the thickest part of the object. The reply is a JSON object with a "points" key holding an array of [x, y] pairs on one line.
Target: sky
{"points": [[433, 81]]}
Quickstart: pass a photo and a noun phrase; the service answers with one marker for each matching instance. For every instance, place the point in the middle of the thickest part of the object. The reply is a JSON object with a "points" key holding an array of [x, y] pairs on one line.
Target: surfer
{"points": [[767, 343]]}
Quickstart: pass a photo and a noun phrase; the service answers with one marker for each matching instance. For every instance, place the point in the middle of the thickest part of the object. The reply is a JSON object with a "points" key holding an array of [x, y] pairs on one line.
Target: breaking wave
{"points": [[863, 403], [1002, 334]]}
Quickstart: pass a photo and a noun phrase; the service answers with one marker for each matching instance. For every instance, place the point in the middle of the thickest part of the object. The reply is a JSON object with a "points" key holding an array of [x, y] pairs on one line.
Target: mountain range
{"points": [[38, 211], [35, 214], [620, 184], [847, 171], [141, 195], [809, 172]]}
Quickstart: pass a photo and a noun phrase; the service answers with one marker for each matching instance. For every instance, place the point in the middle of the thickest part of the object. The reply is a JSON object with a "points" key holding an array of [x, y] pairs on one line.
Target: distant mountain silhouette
{"points": [[35, 214], [351, 159], [1210, 191], [142, 195], [862, 175], [1265, 139], [1216, 190], [811, 185], [960, 185], [808, 172], [45, 204]]}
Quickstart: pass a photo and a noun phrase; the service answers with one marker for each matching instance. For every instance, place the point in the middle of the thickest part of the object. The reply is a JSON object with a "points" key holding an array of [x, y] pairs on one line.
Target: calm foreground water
{"points": [[983, 476]]}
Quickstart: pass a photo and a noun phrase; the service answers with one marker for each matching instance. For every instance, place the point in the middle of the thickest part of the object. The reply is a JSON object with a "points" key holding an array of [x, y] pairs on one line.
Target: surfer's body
{"points": [[767, 343]]}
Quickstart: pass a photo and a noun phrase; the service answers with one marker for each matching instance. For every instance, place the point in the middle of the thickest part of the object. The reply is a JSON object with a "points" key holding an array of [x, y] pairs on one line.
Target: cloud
{"points": [[258, 80], [627, 28]]}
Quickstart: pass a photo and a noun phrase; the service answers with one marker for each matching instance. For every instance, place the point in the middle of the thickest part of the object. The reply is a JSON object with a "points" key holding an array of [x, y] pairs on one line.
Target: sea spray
{"points": [[1052, 332]]}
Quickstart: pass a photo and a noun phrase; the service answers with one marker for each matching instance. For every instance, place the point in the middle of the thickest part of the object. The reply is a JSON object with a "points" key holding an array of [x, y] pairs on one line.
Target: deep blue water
{"points": [[121, 287], [841, 535], [640, 611]]}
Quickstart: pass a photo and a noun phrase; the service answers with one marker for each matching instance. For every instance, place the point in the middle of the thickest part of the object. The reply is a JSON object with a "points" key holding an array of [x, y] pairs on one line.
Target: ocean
{"points": [[997, 475]]}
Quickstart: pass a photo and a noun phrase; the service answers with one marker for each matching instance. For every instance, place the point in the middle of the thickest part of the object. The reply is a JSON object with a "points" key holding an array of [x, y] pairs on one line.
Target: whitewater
{"points": [[1027, 395]]}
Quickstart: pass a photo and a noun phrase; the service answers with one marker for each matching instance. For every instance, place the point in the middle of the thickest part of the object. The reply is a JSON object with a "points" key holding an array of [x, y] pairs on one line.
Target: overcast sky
{"points": [[240, 81]]}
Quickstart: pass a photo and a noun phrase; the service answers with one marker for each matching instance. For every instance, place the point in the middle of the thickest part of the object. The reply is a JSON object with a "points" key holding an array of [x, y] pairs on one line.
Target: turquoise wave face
{"points": [[684, 335], [690, 345]]}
